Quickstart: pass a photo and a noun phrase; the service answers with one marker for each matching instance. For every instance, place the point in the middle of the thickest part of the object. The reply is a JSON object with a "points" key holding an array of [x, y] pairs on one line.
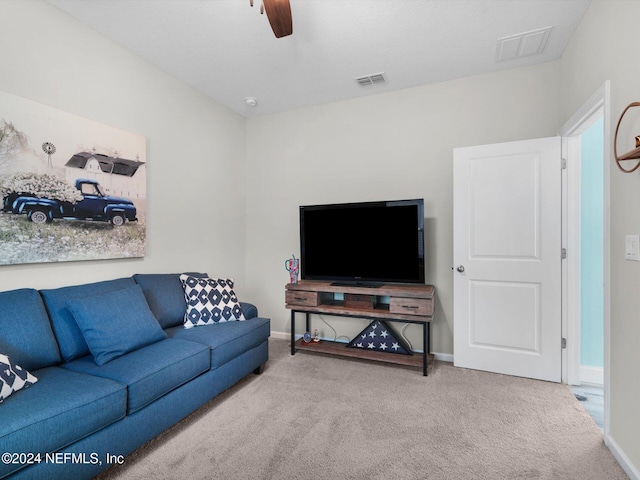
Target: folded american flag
{"points": [[379, 336]]}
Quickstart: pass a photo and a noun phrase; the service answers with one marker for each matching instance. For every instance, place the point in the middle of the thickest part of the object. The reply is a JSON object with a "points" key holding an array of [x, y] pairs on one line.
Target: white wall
{"points": [[195, 147], [390, 146], [394, 145], [605, 47]]}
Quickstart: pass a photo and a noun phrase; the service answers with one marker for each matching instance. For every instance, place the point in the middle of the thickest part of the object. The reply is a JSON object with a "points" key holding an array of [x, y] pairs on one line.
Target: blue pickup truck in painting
{"points": [[95, 205]]}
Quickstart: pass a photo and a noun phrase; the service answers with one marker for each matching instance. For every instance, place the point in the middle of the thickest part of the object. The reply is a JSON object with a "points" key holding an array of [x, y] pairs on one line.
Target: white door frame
{"points": [[598, 103]]}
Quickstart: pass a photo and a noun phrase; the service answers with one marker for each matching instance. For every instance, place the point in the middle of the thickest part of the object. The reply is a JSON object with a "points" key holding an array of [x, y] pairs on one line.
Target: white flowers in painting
{"points": [[41, 185]]}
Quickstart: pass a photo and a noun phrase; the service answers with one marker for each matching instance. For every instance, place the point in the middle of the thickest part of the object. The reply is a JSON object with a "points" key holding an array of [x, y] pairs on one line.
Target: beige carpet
{"points": [[318, 417]]}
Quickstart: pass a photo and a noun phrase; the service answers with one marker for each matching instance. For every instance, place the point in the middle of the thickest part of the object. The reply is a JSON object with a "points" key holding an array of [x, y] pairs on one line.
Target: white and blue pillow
{"points": [[210, 301], [13, 377]]}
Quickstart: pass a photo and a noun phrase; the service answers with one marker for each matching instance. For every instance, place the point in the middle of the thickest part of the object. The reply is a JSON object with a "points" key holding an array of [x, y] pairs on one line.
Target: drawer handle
{"points": [[412, 307], [299, 298]]}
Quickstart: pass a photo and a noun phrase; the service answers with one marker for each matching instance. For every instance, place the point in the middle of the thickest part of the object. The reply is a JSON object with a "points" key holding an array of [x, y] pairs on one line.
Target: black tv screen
{"points": [[368, 242]]}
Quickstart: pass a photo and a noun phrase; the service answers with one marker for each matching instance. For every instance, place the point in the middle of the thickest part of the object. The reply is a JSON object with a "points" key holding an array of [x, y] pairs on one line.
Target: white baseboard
{"points": [[282, 335], [630, 469], [591, 375], [441, 357], [444, 357]]}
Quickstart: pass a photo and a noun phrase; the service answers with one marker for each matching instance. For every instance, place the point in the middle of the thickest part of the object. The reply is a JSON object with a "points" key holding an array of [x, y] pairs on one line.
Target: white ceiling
{"points": [[226, 49]]}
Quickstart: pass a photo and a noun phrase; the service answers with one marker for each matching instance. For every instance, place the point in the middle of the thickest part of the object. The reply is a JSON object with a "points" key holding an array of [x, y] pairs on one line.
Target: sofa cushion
{"points": [[72, 343], [226, 340], [249, 310], [150, 371], [25, 331], [116, 322], [63, 407], [13, 377], [165, 296], [209, 300]]}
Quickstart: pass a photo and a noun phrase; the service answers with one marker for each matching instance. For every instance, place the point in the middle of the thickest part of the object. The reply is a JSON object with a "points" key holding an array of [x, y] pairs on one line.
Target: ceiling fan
{"points": [[279, 15]]}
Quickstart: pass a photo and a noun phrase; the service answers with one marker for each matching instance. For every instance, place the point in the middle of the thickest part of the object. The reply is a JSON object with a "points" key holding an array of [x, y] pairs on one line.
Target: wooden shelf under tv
{"points": [[337, 348], [406, 303]]}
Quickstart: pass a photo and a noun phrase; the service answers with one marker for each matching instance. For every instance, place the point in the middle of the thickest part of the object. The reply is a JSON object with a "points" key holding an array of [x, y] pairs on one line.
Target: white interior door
{"points": [[507, 258]]}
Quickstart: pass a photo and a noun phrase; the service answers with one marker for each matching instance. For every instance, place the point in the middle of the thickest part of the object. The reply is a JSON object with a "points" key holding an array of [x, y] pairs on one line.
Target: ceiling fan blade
{"points": [[279, 15]]}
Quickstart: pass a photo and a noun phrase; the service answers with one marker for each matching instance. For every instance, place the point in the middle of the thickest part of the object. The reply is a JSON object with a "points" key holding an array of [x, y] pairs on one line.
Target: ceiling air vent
{"points": [[370, 80], [522, 45]]}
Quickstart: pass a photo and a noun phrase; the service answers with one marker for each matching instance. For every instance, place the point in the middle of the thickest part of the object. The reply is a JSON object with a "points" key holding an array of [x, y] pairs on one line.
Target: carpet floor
{"points": [[319, 417]]}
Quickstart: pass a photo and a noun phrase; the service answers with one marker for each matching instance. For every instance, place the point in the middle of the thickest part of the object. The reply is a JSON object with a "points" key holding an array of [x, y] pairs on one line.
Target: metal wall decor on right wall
{"points": [[631, 154]]}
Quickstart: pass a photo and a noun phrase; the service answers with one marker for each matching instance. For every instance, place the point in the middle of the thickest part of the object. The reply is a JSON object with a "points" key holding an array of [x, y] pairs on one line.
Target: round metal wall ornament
{"points": [[630, 155]]}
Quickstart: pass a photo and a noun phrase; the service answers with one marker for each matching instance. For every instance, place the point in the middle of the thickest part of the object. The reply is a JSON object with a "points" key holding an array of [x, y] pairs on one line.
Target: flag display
{"points": [[380, 337]]}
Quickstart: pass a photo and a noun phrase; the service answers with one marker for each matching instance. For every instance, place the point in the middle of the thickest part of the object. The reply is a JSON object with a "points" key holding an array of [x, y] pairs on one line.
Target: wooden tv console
{"points": [[407, 304]]}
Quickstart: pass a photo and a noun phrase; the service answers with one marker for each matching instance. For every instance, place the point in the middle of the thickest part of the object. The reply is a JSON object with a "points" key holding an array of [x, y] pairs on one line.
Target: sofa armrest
{"points": [[249, 310]]}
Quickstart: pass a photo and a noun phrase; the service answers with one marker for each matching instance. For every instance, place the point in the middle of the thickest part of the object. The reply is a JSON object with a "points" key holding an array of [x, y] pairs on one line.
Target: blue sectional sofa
{"points": [[81, 416]]}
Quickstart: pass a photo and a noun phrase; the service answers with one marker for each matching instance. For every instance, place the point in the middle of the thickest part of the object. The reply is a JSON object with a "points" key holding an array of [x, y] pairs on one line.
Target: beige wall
{"points": [[257, 172], [605, 47], [391, 146], [195, 147]]}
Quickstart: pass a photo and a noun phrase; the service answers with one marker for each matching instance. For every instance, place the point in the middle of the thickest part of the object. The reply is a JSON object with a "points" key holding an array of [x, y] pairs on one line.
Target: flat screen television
{"points": [[369, 243]]}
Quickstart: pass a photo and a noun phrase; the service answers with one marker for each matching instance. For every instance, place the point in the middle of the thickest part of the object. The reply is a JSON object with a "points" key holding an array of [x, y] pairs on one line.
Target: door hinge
{"points": [[564, 164], [564, 343], [564, 254]]}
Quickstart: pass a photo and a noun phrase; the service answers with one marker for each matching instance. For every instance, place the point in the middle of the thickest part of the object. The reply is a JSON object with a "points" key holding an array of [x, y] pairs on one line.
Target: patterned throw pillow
{"points": [[13, 377], [209, 301]]}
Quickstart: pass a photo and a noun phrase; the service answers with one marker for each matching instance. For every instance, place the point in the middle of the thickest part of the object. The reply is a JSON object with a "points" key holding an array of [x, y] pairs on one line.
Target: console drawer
{"points": [[411, 306], [301, 298]]}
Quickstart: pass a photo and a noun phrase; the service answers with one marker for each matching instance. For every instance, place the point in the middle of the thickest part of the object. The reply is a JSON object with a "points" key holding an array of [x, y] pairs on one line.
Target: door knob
{"points": [[460, 268]]}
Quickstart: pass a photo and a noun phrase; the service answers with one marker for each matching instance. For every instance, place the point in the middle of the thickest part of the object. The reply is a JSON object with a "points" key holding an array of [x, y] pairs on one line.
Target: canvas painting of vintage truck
{"points": [[71, 188]]}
